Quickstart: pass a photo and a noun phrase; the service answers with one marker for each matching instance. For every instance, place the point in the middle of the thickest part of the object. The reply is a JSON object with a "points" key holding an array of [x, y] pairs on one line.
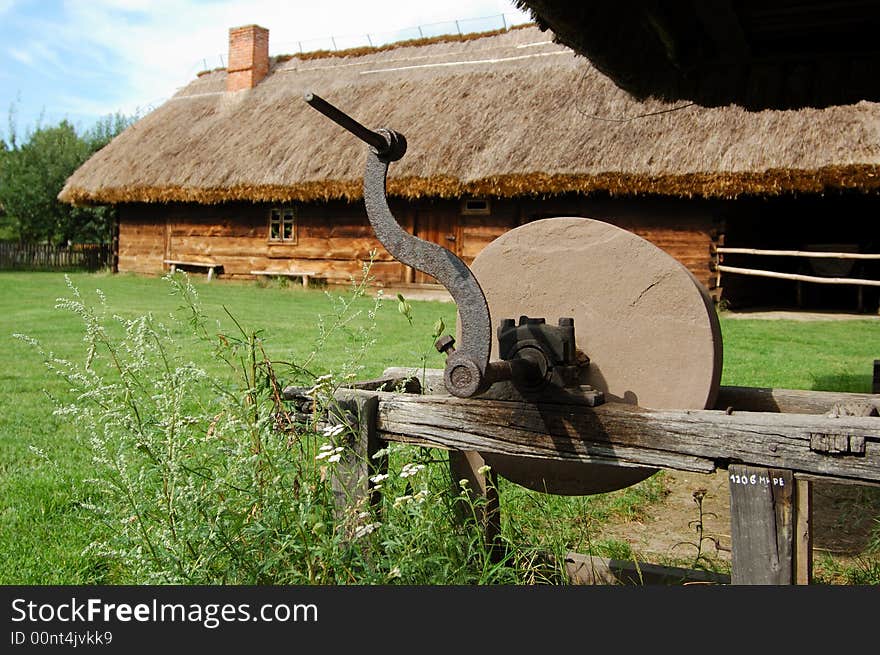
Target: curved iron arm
{"points": [[468, 371], [448, 269]]}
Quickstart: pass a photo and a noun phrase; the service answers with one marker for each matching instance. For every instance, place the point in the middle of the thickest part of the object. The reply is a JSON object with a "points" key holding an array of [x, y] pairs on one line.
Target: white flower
{"points": [[364, 530], [333, 430], [330, 453], [484, 469], [402, 500], [379, 477], [410, 470]]}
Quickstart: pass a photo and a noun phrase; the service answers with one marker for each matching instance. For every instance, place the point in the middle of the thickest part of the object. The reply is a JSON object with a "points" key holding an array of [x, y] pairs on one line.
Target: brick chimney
{"points": [[248, 57]]}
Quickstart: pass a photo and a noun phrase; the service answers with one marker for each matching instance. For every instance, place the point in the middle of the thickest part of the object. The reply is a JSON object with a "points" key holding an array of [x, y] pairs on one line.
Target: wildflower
{"points": [[333, 430], [364, 530], [410, 470], [464, 483], [402, 500], [379, 477], [321, 382], [330, 453]]}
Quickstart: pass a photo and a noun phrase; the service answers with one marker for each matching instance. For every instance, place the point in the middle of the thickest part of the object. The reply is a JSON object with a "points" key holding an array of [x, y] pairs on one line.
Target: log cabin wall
{"points": [[334, 239]]}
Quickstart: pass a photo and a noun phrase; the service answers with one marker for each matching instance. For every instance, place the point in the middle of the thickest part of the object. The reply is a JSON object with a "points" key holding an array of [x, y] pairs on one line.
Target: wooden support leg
{"points": [[210, 273], [483, 495], [803, 537], [305, 281], [762, 525], [352, 488]]}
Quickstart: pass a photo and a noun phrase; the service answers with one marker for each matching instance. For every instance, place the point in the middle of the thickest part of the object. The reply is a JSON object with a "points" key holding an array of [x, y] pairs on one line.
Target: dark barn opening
{"points": [[832, 222]]}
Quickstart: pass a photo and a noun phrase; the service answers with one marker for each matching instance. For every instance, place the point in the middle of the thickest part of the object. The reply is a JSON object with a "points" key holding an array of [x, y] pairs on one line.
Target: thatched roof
{"points": [[505, 115], [760, 54]]}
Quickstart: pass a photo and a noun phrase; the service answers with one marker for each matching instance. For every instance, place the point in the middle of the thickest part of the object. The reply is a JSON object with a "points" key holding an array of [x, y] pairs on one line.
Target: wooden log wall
{"points": [[334, 239]]}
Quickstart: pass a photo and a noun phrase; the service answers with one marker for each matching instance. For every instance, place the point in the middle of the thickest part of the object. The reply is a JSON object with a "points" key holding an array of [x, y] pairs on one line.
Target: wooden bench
{"points": [[305, 275], [209, 266]]}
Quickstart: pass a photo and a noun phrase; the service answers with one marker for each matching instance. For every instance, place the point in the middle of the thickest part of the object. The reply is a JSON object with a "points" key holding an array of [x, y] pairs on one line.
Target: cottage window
{"points": [[282, 225], [476, 206]]}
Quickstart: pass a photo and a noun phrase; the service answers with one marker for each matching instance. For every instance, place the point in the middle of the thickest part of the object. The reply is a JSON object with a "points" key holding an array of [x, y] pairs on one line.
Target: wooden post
{"points": [[803, 536], [482, 491], [875, 386], [762, 525], [352, 487]]}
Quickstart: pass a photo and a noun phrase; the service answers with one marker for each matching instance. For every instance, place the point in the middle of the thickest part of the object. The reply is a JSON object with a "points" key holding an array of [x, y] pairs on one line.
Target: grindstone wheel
{"points": [[648, 327]]}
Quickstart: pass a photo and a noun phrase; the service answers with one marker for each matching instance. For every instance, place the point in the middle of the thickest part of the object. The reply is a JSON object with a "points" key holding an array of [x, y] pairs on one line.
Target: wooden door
{"points": [[440, 227]]}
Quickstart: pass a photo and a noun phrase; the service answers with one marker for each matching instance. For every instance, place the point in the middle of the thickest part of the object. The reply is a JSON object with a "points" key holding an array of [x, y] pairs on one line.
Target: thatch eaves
{"points": [[767, 54], [507, 115]]}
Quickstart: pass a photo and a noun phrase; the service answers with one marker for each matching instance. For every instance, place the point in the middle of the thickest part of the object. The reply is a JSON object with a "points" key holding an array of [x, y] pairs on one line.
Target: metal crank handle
{"points": [[468, 372], [387, 144]]}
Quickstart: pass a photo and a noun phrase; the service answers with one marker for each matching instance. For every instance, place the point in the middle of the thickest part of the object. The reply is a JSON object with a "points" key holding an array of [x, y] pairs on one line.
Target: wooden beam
{"points": [[624, 435], [797, 253], [788, 401], [747, 399], [797, 276]]}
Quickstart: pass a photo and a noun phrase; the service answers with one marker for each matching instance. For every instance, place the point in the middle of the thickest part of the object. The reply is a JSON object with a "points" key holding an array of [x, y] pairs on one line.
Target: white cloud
{"points": [[21, 55]]}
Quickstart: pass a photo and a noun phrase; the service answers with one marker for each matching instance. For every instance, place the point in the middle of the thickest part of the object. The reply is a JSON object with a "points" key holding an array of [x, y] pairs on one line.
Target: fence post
{"points": [[482, 494], [352, 488], [762, 520]]}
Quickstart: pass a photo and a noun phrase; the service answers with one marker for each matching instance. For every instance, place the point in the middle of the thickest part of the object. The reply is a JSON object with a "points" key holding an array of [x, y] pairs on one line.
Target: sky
{"points": [[82, 60]]}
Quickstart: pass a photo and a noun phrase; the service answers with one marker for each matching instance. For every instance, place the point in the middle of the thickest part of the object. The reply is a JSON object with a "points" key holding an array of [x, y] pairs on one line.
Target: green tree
{"points": [[33, 172]]}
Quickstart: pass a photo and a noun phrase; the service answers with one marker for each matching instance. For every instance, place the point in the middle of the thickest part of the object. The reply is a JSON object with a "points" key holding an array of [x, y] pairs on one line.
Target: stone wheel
{"points": [[648, 326]]}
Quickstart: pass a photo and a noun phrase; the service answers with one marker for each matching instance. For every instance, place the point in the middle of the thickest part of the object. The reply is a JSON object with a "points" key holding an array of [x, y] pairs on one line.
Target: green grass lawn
{"points": [[43, 531]]}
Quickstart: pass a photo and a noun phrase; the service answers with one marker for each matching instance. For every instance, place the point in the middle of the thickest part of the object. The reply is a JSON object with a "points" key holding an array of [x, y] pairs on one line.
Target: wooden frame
{"points": [[772, 442]]}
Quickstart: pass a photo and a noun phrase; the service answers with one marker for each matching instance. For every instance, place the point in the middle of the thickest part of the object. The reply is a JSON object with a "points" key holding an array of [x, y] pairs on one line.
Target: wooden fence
{"points": [[813, 256], [46, 257]]}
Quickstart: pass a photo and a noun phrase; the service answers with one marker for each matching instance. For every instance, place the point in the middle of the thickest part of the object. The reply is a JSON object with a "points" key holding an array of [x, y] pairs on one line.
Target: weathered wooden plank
{"points": [[803, 535], [591, 570], [761, 525], [747, 399], [481, 501], [623, 435], [789, 401], [353, 489]]}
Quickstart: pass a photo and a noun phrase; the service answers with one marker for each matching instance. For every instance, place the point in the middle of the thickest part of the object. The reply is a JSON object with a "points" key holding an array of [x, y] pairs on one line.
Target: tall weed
{"points": [[202, 478]]}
